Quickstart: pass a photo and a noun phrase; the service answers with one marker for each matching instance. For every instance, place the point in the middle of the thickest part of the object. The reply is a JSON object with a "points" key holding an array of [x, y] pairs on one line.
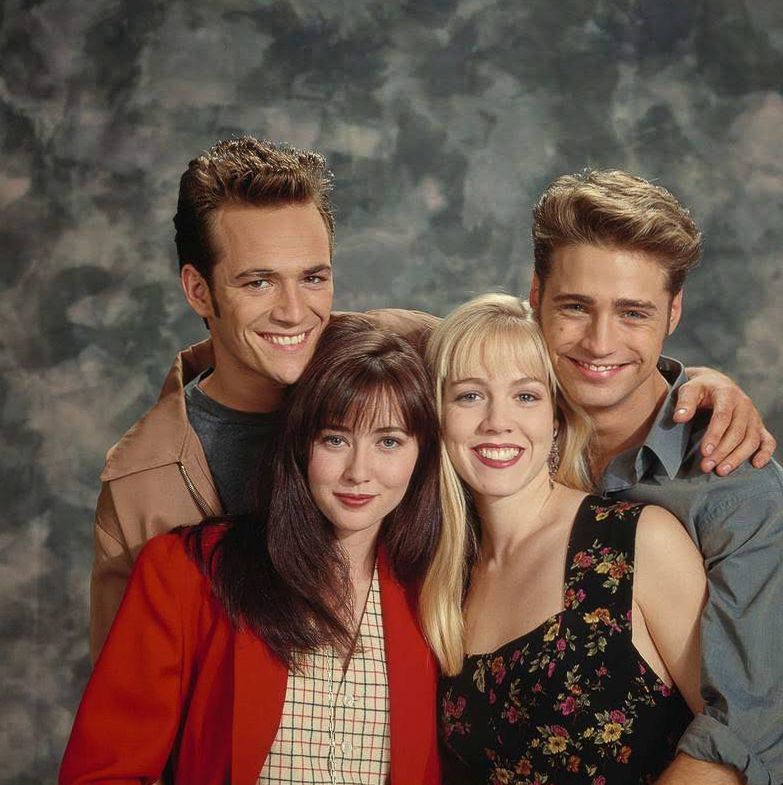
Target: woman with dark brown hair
{"points": [[284, 646]]}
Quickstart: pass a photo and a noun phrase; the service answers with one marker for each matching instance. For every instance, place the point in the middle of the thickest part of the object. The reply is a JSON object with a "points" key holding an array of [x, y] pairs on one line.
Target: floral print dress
{"points": [[571, 701]]}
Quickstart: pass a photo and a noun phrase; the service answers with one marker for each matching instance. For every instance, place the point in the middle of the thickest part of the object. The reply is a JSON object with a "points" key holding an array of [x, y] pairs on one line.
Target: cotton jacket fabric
{"points": [[175, 682], [157, 476]]}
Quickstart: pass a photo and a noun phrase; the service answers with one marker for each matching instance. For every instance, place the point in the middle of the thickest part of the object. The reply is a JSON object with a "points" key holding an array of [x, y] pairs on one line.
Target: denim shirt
{"points": [[737, 524]]}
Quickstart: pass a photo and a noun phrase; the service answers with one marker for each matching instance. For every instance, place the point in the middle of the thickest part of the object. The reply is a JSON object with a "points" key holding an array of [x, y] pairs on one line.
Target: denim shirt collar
{"points": [[666, 443]]}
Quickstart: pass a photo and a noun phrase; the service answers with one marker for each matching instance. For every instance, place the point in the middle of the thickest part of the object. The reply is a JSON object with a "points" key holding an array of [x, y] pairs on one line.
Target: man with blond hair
{"points": [[611, 255]]}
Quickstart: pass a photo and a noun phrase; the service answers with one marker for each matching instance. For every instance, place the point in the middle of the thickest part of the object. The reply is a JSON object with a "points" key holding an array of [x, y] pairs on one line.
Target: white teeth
{"points": [[599, 368], [499, 453], [285, 340]]}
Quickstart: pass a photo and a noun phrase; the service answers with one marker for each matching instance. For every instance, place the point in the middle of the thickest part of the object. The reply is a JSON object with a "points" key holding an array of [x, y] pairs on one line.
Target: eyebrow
{"points": [[476, 380], [269, 271], [622, 302], [385, 429], [625, 302]]}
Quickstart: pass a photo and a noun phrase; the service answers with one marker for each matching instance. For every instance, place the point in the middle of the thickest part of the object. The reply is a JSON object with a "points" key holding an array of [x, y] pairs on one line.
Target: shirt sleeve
{"points": [[130, 712], [741, 538], [111, 570]]}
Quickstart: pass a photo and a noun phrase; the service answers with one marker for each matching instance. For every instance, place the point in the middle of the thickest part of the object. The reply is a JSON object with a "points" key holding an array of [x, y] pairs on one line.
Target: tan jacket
{"points": [[157, 478]]}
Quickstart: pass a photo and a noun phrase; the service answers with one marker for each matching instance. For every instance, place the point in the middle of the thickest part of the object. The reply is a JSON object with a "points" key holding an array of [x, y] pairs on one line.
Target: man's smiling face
{"points": [[271, 290], [605, 313]]}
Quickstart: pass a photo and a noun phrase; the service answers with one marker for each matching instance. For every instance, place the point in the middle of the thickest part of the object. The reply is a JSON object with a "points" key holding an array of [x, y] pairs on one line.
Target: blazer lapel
{"points": [[260, 681], [412, 681]]}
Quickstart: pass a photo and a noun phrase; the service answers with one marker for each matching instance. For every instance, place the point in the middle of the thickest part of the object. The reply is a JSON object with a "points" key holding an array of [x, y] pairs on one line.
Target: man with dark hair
{"points": [[254, 235], [611, 255]]}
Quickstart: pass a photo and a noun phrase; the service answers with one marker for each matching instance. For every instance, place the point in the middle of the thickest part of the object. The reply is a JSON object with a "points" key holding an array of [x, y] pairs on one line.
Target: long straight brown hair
{"points": [[279, 571]]}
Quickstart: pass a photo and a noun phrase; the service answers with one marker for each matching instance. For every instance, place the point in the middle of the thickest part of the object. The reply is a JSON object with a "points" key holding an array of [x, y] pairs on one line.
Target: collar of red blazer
{"points": [[258, 702]]}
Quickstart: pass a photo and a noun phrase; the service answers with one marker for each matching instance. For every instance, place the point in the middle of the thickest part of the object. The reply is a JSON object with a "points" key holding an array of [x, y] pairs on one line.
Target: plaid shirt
{"points": [[334, 729]]}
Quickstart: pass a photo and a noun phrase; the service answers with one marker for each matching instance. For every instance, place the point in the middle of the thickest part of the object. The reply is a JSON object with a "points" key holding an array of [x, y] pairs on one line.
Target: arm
{"points": [[130, 712], [111, 569], [414, 326], [741, 538], [736, 430], [670, 591], [685, 770]]}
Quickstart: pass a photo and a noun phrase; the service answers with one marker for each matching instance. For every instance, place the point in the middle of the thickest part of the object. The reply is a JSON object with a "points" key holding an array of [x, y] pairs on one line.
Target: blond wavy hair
{"points": [[491, 332]]}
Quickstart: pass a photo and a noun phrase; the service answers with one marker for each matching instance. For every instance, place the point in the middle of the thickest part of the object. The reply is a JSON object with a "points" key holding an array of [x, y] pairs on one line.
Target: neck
{"points": [[508, 521], [359, 548], [627, 424], [241, 389]]}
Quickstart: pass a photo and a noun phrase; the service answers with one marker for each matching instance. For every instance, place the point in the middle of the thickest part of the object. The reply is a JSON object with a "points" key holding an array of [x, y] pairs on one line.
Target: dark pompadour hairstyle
{"points": [[245, 171]]}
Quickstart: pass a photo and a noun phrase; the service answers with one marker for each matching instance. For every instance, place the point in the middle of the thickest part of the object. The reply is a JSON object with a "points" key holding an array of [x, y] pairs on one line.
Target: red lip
{"points": [[355, 499], [493, 463]]}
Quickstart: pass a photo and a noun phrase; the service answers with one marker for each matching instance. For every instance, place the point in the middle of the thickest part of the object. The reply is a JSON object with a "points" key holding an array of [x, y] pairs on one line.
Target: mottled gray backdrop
{"points": [[442, 120]]}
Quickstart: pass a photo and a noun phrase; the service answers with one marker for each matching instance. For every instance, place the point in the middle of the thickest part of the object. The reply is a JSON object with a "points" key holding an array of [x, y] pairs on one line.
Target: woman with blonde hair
{"points": [[566, 625]]}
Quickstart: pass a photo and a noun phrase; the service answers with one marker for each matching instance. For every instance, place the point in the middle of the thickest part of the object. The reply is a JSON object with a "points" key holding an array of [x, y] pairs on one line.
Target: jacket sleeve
{"points": [[111, 569], [742, 633], [130, 712]]}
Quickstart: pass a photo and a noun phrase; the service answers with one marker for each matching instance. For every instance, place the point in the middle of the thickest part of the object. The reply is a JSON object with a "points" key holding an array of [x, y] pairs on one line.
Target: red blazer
{"points": [[176, 681]]}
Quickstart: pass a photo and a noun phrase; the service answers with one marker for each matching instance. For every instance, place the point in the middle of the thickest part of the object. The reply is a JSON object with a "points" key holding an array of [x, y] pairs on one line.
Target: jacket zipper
{"points": [[197, 497]]}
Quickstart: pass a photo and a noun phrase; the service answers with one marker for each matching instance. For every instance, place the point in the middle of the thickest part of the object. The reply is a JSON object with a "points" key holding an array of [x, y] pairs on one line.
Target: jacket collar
{"points": [[261, 679], [163, 435]]}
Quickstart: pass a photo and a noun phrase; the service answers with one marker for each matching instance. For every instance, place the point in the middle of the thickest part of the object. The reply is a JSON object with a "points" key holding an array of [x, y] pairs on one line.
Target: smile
{"points": [[596, 371], [498, 456], [355, 499], [278, 339]]}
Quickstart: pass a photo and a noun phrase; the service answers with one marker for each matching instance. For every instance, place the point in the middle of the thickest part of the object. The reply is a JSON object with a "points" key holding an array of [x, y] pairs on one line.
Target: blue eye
{"points": [[390, 443], [468, 396], [527, 397]]}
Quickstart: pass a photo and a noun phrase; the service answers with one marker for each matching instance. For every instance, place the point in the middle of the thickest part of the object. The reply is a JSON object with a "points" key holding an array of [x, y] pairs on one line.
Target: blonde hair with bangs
{"points": [[493, 332]]}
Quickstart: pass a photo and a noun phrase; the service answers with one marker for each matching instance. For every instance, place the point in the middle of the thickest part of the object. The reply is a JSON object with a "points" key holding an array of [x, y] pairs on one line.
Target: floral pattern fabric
{"points": [[572, 701]]}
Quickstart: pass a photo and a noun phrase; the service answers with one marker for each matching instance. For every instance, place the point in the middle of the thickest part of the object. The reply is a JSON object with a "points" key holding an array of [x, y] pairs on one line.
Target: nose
{"points": [[496, 418], [290, 307], [357, 467], [598, 338]]}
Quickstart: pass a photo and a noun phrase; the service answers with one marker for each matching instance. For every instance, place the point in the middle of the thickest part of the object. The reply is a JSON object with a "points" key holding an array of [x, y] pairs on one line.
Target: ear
{"points": [[197, 293], [535, 293], [675, 312]]}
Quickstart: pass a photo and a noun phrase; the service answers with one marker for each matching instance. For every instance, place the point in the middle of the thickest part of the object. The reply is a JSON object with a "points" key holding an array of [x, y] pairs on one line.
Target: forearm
{"points": [[685, 770]]}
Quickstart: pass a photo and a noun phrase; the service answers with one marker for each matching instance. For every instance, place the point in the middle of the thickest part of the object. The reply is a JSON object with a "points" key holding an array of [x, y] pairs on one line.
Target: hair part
{"points": [[618, 210], [492, 332], [245, 171], [280, 571]]}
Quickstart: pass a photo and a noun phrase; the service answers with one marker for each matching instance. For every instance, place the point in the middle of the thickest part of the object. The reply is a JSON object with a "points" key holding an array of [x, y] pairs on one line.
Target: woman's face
{"points": [[357, 476], [498, 430]]}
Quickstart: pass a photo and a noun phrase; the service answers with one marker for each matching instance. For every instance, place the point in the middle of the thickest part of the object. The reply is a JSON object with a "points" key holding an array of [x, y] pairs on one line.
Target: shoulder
{"points": [[659, 533], [157, 438], [742, 505], [165, 550], [414, 326]]}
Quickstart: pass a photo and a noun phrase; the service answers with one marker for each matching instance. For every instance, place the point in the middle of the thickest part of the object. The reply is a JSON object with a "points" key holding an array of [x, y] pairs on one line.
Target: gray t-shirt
{"points": [[234, 442]]}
